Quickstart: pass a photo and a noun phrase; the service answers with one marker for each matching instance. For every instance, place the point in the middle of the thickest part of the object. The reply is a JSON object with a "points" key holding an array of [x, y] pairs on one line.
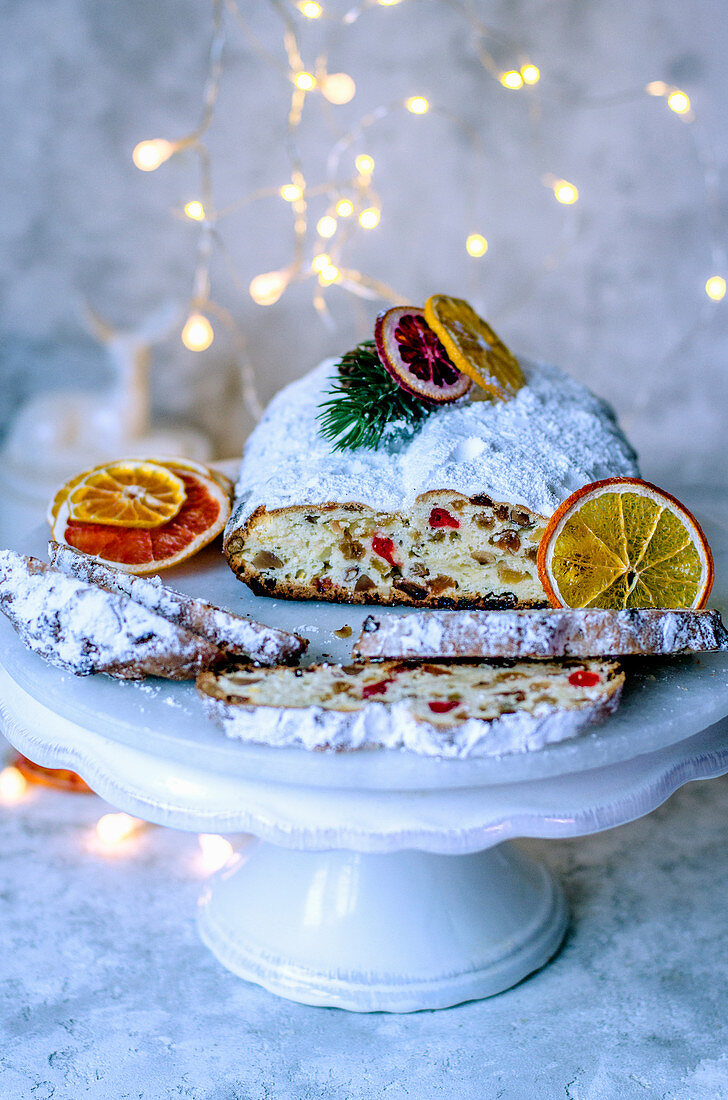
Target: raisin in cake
{"points": [[454, 711], [448, 515]]}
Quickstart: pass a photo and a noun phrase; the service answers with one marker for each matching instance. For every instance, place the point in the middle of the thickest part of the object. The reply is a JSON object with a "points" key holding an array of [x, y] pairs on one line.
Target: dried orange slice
{"points": [[127, 494], [173, 464], [473, 346], [142, 550], [624, 543]]}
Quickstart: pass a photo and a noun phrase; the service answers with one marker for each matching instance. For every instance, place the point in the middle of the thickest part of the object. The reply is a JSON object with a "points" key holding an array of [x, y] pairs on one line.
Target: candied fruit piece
{"points": [[440, 517], [384, 547], [379, 688], [584, 678], [266, 559]]}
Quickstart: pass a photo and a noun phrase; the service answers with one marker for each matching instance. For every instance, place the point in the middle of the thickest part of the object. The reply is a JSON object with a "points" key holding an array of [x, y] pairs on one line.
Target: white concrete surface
{"points": [[106, 992]]}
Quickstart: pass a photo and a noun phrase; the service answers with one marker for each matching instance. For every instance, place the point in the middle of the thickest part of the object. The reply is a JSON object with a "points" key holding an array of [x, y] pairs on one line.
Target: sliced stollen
{"points": [[83, 628], [454, 711], [235, 635], [449, 515], [587, 632]]}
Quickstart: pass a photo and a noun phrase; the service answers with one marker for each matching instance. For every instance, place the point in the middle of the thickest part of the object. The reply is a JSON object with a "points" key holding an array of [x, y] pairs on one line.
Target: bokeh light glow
{"points": [[197, 334], [476, 244]]}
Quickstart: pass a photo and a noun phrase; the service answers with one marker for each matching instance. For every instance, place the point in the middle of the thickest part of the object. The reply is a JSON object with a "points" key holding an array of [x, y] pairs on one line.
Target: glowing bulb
{"points": [[565, 192], [364, 164], [512, 79], [476, 245], [148, 155], [715, 287], [290, 192], [197, 334], [388, 3], [368, 219], [328, 274], [114, 828], [678, 102], [338, 88], [344, 208], [531, 74], [216, 851], [417, 105], [305, 82], [319, 262], [13, 785], [310, 9], [195, 210], [267, 288], [326, 226]]}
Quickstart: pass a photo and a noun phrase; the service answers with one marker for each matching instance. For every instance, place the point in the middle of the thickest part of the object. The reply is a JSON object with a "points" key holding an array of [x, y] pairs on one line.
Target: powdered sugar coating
{"points": [[588, 632], [395, 727], [235, 634], [83, 629], [553, 437], [485, 708]]}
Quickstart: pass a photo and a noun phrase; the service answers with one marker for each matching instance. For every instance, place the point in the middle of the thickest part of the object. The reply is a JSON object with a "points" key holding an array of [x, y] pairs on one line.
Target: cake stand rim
{"points": [[557, 807], [616, 740]]}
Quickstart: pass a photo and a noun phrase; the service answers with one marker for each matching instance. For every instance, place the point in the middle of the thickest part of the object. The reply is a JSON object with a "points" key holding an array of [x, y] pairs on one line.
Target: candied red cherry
{"points": [[582, 678], [375, 689], [442, 706], [384, 547], [414, 356], [440, 517]]}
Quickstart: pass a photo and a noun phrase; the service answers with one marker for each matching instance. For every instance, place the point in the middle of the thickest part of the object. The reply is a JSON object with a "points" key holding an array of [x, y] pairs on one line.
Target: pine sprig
{"points": [[364, 400]]}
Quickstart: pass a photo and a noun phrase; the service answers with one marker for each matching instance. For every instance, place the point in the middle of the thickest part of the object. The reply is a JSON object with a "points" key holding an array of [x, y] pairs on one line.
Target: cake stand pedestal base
{"points": [[382, 933]]}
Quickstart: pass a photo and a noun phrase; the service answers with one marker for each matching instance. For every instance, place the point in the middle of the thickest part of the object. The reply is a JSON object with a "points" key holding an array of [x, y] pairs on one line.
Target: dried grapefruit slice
{"points": [[624, 543], [411, 352], [139, 550], [127, 494], [473, 346], [177, 464]]}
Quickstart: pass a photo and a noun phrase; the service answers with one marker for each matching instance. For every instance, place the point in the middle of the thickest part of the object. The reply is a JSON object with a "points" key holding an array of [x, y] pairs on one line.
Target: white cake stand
{"points": [[379, 880]]}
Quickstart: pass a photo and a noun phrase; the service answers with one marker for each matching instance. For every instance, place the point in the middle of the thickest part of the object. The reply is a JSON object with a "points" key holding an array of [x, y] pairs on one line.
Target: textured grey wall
{"points": [[623, 307]]}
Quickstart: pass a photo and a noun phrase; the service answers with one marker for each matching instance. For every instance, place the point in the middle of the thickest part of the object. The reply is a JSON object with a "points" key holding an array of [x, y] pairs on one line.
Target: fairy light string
{"points": [[351, 203]]}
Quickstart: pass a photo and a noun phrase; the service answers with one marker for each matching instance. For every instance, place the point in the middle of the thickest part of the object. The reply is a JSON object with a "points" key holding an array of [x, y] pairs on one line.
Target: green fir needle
{"points": [[364, 400]]}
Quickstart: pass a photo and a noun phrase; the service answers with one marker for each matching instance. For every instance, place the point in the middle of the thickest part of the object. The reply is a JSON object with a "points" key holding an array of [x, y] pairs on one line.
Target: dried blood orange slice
{"points": [[139, 550], [413, 355], [624, 543], [127, 494], [473, 346]]}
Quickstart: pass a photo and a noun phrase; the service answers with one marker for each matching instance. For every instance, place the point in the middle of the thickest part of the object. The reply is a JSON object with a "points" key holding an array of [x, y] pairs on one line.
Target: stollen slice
{"points": [[590, 632], [463, 710], [83, 628], [235, 635]]}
